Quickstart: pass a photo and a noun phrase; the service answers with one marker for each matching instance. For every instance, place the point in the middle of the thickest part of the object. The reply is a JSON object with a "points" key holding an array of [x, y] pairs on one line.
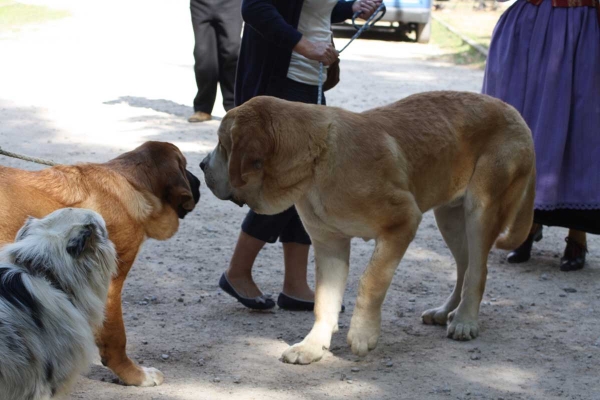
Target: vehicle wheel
{"points": [[424, 32]]}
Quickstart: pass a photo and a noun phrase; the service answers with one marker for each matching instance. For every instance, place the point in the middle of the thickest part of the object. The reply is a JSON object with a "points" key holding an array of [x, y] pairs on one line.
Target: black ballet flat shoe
{"points": [[523, 252], [263, 302], [574, 256], [293, 304]]}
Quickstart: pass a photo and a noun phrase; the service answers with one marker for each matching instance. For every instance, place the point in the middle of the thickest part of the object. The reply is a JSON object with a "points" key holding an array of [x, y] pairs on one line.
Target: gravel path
{"points": [[118, 73]]}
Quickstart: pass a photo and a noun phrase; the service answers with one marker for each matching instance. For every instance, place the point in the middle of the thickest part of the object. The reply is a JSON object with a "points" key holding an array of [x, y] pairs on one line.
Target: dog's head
{"points": [[265, 153], [158, 171], [161, 168], [70, 249]]}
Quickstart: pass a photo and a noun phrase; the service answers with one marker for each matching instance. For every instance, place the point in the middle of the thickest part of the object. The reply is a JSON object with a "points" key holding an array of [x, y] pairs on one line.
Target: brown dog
{"points": [[140, 194], [469, 157]]}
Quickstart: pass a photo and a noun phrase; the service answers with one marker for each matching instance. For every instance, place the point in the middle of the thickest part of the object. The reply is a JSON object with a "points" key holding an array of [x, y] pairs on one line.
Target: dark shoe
{"points": [[293, 304], [574, 257], [523, 252], [263, 302]]}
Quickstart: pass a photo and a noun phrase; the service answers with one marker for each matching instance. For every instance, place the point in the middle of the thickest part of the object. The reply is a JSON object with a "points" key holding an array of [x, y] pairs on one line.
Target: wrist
{"points": [[303, 47]]}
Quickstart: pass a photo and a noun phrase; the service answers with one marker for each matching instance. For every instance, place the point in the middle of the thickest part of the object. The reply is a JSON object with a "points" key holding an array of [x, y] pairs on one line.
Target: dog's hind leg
{"points": [[451, 223], [496, 188], [483, 226], [332, 257], [390, 247]]}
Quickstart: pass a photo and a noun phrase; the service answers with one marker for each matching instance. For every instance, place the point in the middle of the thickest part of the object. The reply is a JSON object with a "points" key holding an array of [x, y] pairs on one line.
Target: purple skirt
{"points": [[545, 62]]}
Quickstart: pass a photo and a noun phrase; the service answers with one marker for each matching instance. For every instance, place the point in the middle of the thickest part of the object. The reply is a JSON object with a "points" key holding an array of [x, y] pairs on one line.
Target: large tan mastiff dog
{"points": [[469, 157], [140, 194]]}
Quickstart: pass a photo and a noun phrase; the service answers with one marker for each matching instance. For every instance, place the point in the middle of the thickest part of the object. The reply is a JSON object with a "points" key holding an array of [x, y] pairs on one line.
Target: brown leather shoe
{"points": [[574, 257], [199, 116]]}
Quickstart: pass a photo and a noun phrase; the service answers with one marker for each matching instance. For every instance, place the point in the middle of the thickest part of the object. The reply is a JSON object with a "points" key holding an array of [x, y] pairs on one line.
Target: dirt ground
{"points": [[116, 74]]}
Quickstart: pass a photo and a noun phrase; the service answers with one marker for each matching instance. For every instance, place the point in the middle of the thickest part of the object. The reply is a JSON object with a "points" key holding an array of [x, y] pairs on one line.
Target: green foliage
{"points": [[456, 51]]}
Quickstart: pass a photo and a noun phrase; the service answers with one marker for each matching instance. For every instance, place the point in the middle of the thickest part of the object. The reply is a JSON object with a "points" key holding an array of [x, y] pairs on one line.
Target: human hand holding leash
{"points": [[366, 8], [319, 51]]}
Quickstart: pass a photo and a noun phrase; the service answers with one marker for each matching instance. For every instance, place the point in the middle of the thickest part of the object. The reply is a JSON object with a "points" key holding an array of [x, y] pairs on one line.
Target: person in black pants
{"points": [[217, 28], [282, 45]]}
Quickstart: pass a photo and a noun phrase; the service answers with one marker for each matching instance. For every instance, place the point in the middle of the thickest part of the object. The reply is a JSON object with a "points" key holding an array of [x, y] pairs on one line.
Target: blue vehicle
{"points": [[411, 16]]}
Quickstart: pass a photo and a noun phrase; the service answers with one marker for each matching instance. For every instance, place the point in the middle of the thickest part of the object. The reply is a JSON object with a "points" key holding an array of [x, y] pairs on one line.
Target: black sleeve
{"points": [[342, 11], [264, 18]]}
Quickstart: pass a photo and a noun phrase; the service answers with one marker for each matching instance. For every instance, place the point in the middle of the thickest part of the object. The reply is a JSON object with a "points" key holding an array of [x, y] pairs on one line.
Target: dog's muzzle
{"points": [[194, 185], [236, 201]]}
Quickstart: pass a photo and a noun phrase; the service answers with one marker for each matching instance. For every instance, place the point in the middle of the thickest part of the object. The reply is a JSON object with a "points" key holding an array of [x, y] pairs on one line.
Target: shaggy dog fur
{"points": [[53, 285]]}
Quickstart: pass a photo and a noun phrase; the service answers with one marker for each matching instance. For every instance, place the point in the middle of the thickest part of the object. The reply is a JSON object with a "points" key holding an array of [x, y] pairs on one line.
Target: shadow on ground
{"points": [[159, 105]]}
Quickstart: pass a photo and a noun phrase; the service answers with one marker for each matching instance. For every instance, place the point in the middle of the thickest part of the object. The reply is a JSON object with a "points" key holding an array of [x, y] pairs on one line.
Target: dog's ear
{"points": [[24, 231], [77, 244], [181, 199], [249, 150], [179, 191], [160, 168]]}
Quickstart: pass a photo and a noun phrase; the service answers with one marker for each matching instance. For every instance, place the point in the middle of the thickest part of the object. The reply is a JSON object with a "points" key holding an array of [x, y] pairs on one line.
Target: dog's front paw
{"points": [[303, 353], [153, 377], [364, 338], [435, 316], [461, 328]]}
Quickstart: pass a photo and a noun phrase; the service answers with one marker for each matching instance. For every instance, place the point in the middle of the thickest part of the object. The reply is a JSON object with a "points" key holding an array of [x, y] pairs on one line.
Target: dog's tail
{"points": [[520, 217]]}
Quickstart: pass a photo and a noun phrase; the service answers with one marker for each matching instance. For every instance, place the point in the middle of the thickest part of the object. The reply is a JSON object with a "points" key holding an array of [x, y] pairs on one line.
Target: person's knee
{"points": [[262, 227], [228, 55]]}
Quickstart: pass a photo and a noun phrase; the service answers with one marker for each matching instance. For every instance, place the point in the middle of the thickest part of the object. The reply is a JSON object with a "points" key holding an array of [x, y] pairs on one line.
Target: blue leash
{"points": [[373, 19]]}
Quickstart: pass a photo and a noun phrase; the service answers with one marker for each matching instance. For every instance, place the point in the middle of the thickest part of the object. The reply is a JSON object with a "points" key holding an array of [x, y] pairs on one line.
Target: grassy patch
{"points": [[454, 49], [14, 15], [476, 25]]}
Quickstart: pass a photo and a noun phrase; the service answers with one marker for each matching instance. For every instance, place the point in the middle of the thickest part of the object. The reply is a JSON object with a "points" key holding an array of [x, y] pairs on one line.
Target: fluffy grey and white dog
{"points": [[53, 284]]}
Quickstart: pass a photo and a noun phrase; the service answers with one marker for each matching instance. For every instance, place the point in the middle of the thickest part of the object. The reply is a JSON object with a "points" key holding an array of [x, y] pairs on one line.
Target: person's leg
{"points": [[260, 229], [295, 256], [206, 67], [296, 244], [256, 231], [229, 28], [578, 236], [239, 272]]}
